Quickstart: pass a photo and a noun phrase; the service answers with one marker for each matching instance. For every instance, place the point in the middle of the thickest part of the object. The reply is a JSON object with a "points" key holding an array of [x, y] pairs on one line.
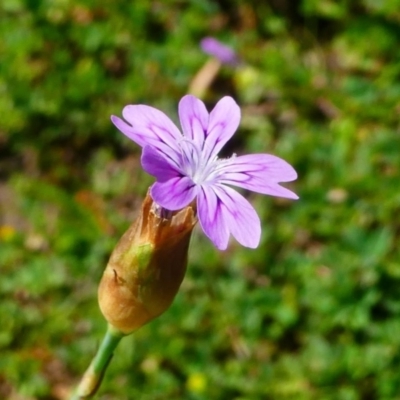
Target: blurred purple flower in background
{"points": [[187, 167], [223, 53]]}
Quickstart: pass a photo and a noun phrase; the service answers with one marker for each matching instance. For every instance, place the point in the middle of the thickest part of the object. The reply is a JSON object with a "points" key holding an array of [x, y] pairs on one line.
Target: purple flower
{"points": [[187, 167], [223, 53]]}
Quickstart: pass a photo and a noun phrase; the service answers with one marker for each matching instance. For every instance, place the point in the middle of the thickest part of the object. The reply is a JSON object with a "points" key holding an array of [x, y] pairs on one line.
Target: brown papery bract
{"points": [[146, 267]]}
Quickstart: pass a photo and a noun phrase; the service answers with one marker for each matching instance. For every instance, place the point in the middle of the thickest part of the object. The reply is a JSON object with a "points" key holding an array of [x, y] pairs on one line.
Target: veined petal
{"points": [[224, 120], [269, 188], [271, 166], [194, 119], [259, 173], [147, 126], [155, 163], [240, 216], [210, 217], [143, 140], [174, 194]]}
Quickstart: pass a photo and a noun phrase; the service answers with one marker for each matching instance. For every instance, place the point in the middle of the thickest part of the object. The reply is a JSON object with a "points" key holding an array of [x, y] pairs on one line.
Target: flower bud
{"points": [[146, 267]]}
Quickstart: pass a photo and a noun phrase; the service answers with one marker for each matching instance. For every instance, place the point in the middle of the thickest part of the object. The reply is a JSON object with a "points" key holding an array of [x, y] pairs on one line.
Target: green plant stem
{"points": [[93, 376]]}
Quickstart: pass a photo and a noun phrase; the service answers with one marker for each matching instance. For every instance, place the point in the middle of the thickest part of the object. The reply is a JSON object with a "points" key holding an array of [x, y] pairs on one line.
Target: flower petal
{"points": [[240, 216], [152, 123], [194, 119], [224, 120], [174, 194], [259, 173], [149, 126], [218, 50], [210, 217], [274, 167], [155, 163]]}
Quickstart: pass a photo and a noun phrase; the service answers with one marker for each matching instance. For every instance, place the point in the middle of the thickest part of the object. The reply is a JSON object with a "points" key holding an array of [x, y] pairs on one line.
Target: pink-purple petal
{"points": [[223, 123], [240, 216], [174, 194], [149, 125], [209, 211], [127, 130], [258, 185], [259, 173], [194, 118], [219, 50], [146, 137], [156, 164], [267, 165]]}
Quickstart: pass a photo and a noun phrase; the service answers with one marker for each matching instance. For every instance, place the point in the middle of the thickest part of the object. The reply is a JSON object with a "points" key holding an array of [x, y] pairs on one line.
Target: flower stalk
{"points": [[93, 376]]}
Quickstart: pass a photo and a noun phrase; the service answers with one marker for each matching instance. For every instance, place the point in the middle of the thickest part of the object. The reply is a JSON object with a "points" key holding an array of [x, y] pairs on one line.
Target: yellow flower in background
{"points": [[196, 382], [7, 233]]}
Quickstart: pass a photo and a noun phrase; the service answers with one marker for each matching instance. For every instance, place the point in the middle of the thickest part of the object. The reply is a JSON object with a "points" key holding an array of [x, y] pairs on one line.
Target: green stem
{"points": [[93, 376]]}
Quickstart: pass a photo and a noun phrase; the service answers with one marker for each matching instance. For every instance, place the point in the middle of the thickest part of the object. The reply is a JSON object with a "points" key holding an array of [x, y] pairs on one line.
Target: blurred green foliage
{"points": [[314, 312]]}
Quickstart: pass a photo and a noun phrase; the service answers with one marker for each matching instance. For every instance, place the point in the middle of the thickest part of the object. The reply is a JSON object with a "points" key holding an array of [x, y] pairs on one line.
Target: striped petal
{"points": [[148, 126], [223, 123], [239, 216], [211, 219], [156, 164], [175, 193], [222, 211], [194, 119], [259, 173]]}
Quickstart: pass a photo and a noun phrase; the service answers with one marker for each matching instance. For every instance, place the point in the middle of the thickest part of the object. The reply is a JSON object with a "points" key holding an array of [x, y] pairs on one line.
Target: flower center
{"points": [[196, 166]]}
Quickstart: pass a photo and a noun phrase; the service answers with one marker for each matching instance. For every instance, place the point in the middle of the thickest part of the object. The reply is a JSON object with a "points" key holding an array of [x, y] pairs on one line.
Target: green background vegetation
{"points": [[314, 312]]}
